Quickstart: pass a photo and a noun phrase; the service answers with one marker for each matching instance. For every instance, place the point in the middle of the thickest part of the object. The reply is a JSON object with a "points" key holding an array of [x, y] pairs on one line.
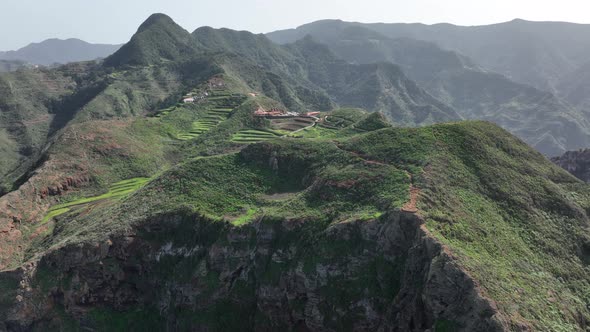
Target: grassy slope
{"points": [[25, 116], [157, 39], [212, 185], [517, 223]]}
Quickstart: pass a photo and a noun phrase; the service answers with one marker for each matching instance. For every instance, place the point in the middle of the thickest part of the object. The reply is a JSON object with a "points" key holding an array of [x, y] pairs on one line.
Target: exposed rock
{"points": [[379, 275], [575, 162]]}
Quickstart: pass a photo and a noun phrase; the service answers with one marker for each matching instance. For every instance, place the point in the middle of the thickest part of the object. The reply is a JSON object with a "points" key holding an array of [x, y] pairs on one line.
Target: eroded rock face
{"points": [[182, 272], [575, 162]]}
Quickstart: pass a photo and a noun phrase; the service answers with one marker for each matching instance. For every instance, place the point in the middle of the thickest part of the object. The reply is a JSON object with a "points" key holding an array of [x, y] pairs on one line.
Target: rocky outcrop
{"points": [[22, 208], [575, 162], [65, 185], [183, 272]]}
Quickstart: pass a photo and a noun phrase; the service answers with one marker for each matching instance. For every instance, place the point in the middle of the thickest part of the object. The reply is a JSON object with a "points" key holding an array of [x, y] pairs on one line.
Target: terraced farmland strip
{"points": [[116, 191], [252, 136], [211, 119]]}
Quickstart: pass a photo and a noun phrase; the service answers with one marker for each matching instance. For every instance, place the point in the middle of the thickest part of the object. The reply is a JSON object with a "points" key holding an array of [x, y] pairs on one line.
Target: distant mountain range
{"points": [[550, 114], [58, 51], [540, 54]]}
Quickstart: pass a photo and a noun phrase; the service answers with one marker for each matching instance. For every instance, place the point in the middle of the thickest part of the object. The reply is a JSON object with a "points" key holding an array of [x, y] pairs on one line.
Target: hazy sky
{"points": [[114, 21]]}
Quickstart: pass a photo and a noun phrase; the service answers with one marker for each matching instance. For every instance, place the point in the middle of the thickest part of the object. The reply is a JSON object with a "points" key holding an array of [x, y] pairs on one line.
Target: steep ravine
{"points": [[182, 272]]}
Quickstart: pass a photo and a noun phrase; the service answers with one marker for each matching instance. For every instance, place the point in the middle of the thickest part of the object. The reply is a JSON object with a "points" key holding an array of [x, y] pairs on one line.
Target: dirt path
{"points": [[411, 206], [298, 130]]}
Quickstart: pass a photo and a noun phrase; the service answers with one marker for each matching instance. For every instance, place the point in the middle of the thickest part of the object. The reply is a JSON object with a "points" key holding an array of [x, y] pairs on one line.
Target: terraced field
{"points": [[291, 124], [219, 95], [211, 119], [224, 105], [164, 111], [252, 136], [116, 191]]}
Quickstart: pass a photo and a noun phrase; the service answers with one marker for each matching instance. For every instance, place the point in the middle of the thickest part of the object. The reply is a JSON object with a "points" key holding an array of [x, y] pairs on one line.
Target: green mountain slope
{"points": [[256, 48], [308, 66], [379, 87], [26, 114], [236, 233], [158, 39]]}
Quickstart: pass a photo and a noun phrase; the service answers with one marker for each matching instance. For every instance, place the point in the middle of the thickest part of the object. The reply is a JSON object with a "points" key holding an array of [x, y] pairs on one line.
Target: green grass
{"points": [[165, 111], [228, 185], [54, 213], [247, 217], [513, 219], [253, 136], [116, 191], [208, 121]]}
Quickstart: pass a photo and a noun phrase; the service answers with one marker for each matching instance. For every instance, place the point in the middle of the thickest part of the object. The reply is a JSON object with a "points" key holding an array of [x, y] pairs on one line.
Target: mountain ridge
{"points": [[563, 44], [476, 93], [59, 51]]}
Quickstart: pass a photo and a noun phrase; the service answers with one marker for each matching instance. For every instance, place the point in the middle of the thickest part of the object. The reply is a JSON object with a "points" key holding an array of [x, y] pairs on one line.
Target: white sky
{"points": [[114, 21]]}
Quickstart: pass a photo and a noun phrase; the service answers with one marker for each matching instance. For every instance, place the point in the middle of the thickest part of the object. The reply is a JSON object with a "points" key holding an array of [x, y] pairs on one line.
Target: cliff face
{"points": [[183, 272], [575, 162]]}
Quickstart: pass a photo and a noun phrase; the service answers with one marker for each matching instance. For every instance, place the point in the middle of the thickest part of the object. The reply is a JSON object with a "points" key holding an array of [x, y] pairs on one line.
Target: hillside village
{"points": [[217, 83]]}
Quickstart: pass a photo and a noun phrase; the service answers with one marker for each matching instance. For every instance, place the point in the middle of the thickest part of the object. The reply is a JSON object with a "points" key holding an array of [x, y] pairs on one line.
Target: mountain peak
{"points": [[158, 38], [155, 19]]}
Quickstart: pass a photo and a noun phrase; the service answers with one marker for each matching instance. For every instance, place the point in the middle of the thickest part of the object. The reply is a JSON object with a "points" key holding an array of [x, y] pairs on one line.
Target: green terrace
{"points": [[164, 111], [117, 191], [212, 118], [219, 94], [291, 124], [252, 136]]}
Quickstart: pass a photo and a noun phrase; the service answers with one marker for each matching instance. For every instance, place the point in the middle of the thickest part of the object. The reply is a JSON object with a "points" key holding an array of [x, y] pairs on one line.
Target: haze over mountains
{"points": [[460, 65], [220, 181], [58, 51], [540, 54]]}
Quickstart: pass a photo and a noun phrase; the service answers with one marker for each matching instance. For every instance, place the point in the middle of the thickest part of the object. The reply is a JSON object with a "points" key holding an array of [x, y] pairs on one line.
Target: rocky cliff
{"points": [[575, 162], [183, 272]]}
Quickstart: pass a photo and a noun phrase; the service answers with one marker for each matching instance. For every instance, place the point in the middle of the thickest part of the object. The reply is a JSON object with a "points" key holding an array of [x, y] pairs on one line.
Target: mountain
{"points": [[309, 65], [575, 87], [257, 48], [155, 197], [158, 39], [377, 86], [540, 118], [58, 51], [533, 53]]}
